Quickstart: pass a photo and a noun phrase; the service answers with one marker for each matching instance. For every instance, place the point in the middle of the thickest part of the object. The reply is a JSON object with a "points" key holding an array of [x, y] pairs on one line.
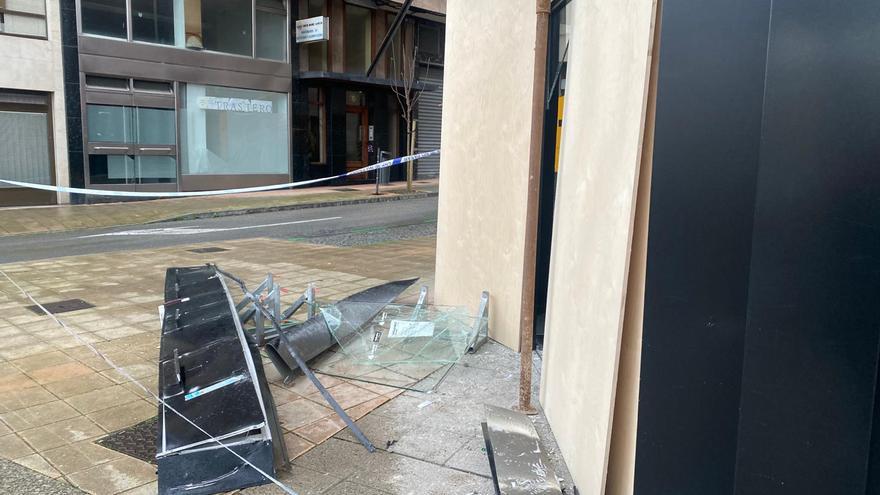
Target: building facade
{"points": [[33, 131], [711, 262], [347, 118], [189, 95]]}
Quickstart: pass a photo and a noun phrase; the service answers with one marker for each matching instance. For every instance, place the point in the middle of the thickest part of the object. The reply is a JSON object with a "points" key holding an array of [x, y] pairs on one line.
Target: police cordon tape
{"points": [[142, 194]]}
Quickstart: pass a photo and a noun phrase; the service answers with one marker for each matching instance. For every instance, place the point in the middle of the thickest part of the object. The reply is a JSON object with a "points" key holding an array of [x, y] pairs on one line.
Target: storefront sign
{"points": [[313, 29], [235, 104]]}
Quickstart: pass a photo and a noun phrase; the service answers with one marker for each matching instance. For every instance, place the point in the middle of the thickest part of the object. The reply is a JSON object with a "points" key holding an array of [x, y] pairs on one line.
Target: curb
{"points": [[294, 206]]}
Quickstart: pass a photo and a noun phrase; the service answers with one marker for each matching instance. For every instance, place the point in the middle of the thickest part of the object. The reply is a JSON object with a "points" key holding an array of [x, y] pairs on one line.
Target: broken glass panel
{"points": [[405, 334], [405, 346]]}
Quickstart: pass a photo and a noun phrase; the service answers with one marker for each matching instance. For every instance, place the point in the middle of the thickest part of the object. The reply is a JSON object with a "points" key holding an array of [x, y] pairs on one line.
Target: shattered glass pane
{"points": [[405, 334], [404, 346]]}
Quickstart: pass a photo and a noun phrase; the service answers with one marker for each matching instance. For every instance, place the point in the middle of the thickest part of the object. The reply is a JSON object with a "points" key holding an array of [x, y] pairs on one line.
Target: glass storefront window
{"points": [[105, 18], [358, 38], [317, 51], [110, 124], [272, 37], [23, 17], [226, 26], [233, 131], [155, 126], [130, 125], [25, 143], [155, 169], [111, 169], [152, 21], [131, 145]]}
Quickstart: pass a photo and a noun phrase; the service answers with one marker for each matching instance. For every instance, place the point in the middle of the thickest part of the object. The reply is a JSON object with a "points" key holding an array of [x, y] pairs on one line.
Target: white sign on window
{"points": [[235, 104], [312, 29]]}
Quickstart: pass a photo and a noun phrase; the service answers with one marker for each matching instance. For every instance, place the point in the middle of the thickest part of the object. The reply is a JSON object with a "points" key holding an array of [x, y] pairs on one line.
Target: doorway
{"points": [[356, 122]]}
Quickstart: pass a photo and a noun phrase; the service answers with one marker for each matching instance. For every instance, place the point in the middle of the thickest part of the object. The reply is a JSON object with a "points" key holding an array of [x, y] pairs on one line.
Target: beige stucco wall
{"points": [[602, 139], [35, 65], [487, 91]]}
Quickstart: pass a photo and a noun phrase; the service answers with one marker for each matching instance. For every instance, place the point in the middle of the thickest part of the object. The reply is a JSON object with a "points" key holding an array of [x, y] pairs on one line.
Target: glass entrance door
{"points": [[355, 139]]}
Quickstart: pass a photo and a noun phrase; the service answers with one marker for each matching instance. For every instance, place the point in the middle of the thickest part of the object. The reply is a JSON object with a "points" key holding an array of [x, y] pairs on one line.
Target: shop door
{"points": [[355, 140]]}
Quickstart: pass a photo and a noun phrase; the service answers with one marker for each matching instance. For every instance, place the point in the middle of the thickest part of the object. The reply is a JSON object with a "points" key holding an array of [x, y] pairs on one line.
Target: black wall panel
{"points": [[810, 360], [708, 123], [762, 323]]}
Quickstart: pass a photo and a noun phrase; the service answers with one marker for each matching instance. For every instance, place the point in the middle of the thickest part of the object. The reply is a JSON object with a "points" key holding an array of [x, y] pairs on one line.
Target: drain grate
{"points": [[65, 306], [138, 441], [204, 250], [345, 189]]}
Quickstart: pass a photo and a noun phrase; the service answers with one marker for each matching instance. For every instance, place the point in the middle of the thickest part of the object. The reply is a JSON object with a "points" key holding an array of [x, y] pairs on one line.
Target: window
{"points": [[131, 145], [272, 37], [23, 17], [430, 43], [358, 38], [316, 130], [226, 26], [317, 51], [24, 138], [153, 86], [105, 18], [233, 131], [252, 28], [394, 52], [105, 83], [152, 21]]}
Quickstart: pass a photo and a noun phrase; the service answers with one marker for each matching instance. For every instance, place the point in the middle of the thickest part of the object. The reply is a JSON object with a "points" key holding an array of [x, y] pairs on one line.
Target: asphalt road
{"points": [[336, 224]]}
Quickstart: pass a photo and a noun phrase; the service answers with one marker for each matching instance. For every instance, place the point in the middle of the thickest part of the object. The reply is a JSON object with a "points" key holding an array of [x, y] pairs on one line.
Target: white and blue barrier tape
{"points": [[142, 194]]}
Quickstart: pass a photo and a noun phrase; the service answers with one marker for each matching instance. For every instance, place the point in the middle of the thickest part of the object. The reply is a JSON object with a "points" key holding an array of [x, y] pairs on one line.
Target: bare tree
{"points": [[404, 71]]}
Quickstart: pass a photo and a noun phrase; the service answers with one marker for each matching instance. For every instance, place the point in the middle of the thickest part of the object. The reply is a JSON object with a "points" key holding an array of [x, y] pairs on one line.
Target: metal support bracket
{"points": [[284, 340], [480, 336]]}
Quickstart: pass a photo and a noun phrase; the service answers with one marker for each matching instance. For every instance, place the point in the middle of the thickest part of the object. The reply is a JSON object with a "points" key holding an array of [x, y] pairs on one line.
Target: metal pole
{"points": [[412, 150], [527, 303], [378, 172]]}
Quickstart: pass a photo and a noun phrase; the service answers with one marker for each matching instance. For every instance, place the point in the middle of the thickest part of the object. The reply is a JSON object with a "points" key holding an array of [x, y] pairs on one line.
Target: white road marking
{"points": [[193, 230]]}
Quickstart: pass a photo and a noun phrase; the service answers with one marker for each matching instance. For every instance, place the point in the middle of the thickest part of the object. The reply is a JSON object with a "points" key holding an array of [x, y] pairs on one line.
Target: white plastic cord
{"points": [[128, 377], [240, 190]]}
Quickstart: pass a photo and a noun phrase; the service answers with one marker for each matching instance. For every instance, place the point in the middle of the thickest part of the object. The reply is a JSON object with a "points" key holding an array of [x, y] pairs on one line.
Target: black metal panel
{"points": [[708, 123], [205, 375], [205, 472], [811, 344]]}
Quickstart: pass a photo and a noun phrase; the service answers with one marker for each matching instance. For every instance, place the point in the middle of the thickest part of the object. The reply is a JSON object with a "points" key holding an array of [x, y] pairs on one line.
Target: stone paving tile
{"points": [[16, 479], [60, 372], [12, 400], [115, 476], [71, 387], [104, 398], [151, 488], [40, 415], [79, 456], [61, 433], [37, 463], [300, 413], [45, 360], [13, 447], [296, 446], [346, 394], [118, 417]]}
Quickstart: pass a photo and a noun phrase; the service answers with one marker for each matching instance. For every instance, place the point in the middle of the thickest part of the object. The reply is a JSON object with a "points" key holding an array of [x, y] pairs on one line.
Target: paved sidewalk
{"points": [[58, 402], [57, 399], [40, 219]]}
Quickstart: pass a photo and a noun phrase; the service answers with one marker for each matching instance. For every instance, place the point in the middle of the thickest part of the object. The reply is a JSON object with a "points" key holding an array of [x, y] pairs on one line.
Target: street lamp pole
{"points": [[527, 303]]}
